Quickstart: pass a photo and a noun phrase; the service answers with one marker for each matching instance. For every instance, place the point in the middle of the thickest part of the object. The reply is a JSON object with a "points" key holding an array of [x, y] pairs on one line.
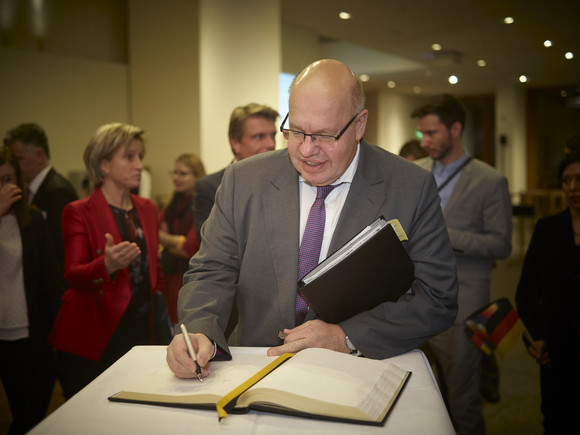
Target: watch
{"points": [[351, 346]]}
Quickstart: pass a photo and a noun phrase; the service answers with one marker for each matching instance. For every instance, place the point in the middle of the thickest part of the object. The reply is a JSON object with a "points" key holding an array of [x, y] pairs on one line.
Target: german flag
{"points": [[495, 327]]}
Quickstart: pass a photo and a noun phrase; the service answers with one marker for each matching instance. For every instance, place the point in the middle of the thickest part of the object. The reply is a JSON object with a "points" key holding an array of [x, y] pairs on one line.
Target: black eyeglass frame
{"points": [[313, 136]]}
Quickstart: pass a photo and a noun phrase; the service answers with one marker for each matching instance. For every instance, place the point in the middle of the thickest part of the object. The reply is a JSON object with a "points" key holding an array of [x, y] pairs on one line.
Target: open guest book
{"points": [[372, 268], [314, 383]]}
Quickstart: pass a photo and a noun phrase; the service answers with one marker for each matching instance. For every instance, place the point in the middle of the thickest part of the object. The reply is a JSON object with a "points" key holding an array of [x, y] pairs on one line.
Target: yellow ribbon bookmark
{"points": [[228, 401]]}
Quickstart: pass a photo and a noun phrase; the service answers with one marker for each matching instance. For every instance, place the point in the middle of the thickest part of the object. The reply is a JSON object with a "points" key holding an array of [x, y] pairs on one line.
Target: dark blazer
{"points": [[41, 278], [250, 254], [52, 195], [548, 294], [94, 303], [204, 197]]}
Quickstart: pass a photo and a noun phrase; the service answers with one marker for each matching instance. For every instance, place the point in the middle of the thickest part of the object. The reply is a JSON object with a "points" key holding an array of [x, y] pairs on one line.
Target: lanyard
{"points": [[454, 174]]}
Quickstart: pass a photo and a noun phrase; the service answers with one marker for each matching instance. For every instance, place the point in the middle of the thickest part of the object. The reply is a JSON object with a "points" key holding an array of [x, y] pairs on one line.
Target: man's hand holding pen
{"points": [[179, 359]]}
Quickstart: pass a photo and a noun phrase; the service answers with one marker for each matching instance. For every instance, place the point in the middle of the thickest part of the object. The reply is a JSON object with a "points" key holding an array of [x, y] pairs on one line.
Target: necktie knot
{"points": [[323, 191]]}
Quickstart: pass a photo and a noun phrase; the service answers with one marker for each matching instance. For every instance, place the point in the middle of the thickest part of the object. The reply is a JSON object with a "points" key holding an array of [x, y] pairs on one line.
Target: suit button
{"points": [[99, 251], [98, 281], [100, 292]]}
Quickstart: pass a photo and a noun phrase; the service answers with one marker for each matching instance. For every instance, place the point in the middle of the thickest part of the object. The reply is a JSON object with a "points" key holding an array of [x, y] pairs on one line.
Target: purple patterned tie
{"points": [[310, 246]]}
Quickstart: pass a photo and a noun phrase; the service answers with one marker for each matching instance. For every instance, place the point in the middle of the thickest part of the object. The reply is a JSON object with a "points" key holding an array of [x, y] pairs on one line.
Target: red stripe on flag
{"points": [[504, 327]]}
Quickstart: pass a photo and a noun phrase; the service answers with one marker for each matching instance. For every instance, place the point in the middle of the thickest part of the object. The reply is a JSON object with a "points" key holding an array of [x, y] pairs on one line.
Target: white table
{"points": [[419, 409]]}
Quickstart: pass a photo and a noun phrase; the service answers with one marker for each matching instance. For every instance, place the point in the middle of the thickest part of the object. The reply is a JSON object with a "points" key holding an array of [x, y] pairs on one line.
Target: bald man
{"points": [[251, 250]]}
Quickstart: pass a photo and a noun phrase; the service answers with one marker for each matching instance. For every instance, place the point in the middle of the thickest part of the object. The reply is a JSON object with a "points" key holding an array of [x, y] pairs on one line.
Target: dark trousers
{"points": [[28, 375], [76, 372], [560, 398]]}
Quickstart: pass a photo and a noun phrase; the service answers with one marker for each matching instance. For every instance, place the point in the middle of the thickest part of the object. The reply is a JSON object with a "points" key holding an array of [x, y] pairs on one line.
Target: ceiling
{"points": [[390, 40]]}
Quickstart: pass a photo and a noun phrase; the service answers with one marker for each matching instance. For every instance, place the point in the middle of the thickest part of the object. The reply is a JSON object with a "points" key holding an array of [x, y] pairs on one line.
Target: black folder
{"points": [[377, 271]]}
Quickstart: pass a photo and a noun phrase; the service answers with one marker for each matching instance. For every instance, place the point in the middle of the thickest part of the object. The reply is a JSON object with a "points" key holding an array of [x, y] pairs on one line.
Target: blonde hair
{"points": [[105, 143], [193, 163], [251, 110]]}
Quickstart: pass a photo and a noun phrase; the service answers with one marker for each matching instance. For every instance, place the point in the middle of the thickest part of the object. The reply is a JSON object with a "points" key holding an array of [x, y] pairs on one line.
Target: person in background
{"points": [[111, 262], [477, 209], [548, 302], [252, 131], [47, 189], [251, 241], [176, 229], [411, 150], [573, 143], [29, 299]]}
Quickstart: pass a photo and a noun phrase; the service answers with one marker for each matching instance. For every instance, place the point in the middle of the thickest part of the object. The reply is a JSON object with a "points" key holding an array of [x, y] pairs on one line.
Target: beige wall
{"points": [[69, 97], [164, 83], [394, 125], [300, 47], [190, 63], [510, 121]]}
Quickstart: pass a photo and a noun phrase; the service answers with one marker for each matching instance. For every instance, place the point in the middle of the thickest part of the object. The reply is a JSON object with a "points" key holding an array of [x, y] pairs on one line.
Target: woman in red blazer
{"points": [[111, 262]]}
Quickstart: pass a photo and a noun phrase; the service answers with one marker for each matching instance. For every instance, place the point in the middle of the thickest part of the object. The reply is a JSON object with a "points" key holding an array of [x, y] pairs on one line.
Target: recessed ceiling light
{"points": [[508, 20], [417, 89], [569, 55], [345, 15], [364, 77], [547, 43], [436, 47], [563, 94], [391, 84], [523, 78], [453, 79], [481, 63]]}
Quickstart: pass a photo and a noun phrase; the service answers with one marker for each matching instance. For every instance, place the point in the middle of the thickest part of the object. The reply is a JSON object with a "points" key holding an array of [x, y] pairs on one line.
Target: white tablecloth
{"points": [[419, 409]]}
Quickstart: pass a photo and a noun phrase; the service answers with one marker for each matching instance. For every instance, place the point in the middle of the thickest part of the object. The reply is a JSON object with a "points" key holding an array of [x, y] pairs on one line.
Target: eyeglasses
{"points": [[300, 136], [179, 173], [7, 179]]}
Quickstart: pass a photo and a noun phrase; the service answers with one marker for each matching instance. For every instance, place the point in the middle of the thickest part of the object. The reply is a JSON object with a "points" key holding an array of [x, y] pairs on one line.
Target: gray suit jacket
{"points": [[479, 221], [250, 253]]}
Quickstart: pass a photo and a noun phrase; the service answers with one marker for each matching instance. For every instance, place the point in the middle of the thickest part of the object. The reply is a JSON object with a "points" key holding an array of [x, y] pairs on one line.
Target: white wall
{"points": [[240, 59], [394, 124], [510, 122]]}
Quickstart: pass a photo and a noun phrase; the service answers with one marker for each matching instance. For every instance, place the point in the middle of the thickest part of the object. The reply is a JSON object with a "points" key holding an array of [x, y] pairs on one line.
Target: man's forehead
{"points": [[258, 122], [19, 147]]}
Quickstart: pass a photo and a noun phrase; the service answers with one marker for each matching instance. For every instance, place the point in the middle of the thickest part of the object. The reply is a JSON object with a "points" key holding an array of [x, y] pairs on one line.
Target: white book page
{"points": [[224, 377], [337, 378]]}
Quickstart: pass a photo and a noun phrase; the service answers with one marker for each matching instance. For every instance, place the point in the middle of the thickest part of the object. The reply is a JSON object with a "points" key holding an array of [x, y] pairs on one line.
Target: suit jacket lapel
{"points": [[458, 192], [103, 216], [281, 208], [365, 198], [38, 195]]}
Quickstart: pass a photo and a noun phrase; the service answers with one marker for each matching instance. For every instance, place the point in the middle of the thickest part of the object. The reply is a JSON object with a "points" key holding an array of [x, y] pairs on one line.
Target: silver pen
{"points": [[191, 351]]}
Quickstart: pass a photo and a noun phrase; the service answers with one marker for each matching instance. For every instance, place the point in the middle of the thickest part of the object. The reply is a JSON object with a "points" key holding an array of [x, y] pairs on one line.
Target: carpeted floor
{"points": [[518, 411]]}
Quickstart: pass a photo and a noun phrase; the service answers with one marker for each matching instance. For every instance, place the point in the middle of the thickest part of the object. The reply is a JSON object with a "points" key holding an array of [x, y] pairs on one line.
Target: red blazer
{"points": [[93, 305]]}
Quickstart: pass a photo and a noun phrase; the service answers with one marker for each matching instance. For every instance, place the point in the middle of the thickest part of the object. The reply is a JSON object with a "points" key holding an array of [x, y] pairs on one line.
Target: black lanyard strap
{"points": [[454, 174]]}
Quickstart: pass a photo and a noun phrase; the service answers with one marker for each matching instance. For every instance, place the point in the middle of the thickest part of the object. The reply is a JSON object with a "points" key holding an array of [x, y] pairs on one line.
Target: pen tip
{"points": [[199, 377]]}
